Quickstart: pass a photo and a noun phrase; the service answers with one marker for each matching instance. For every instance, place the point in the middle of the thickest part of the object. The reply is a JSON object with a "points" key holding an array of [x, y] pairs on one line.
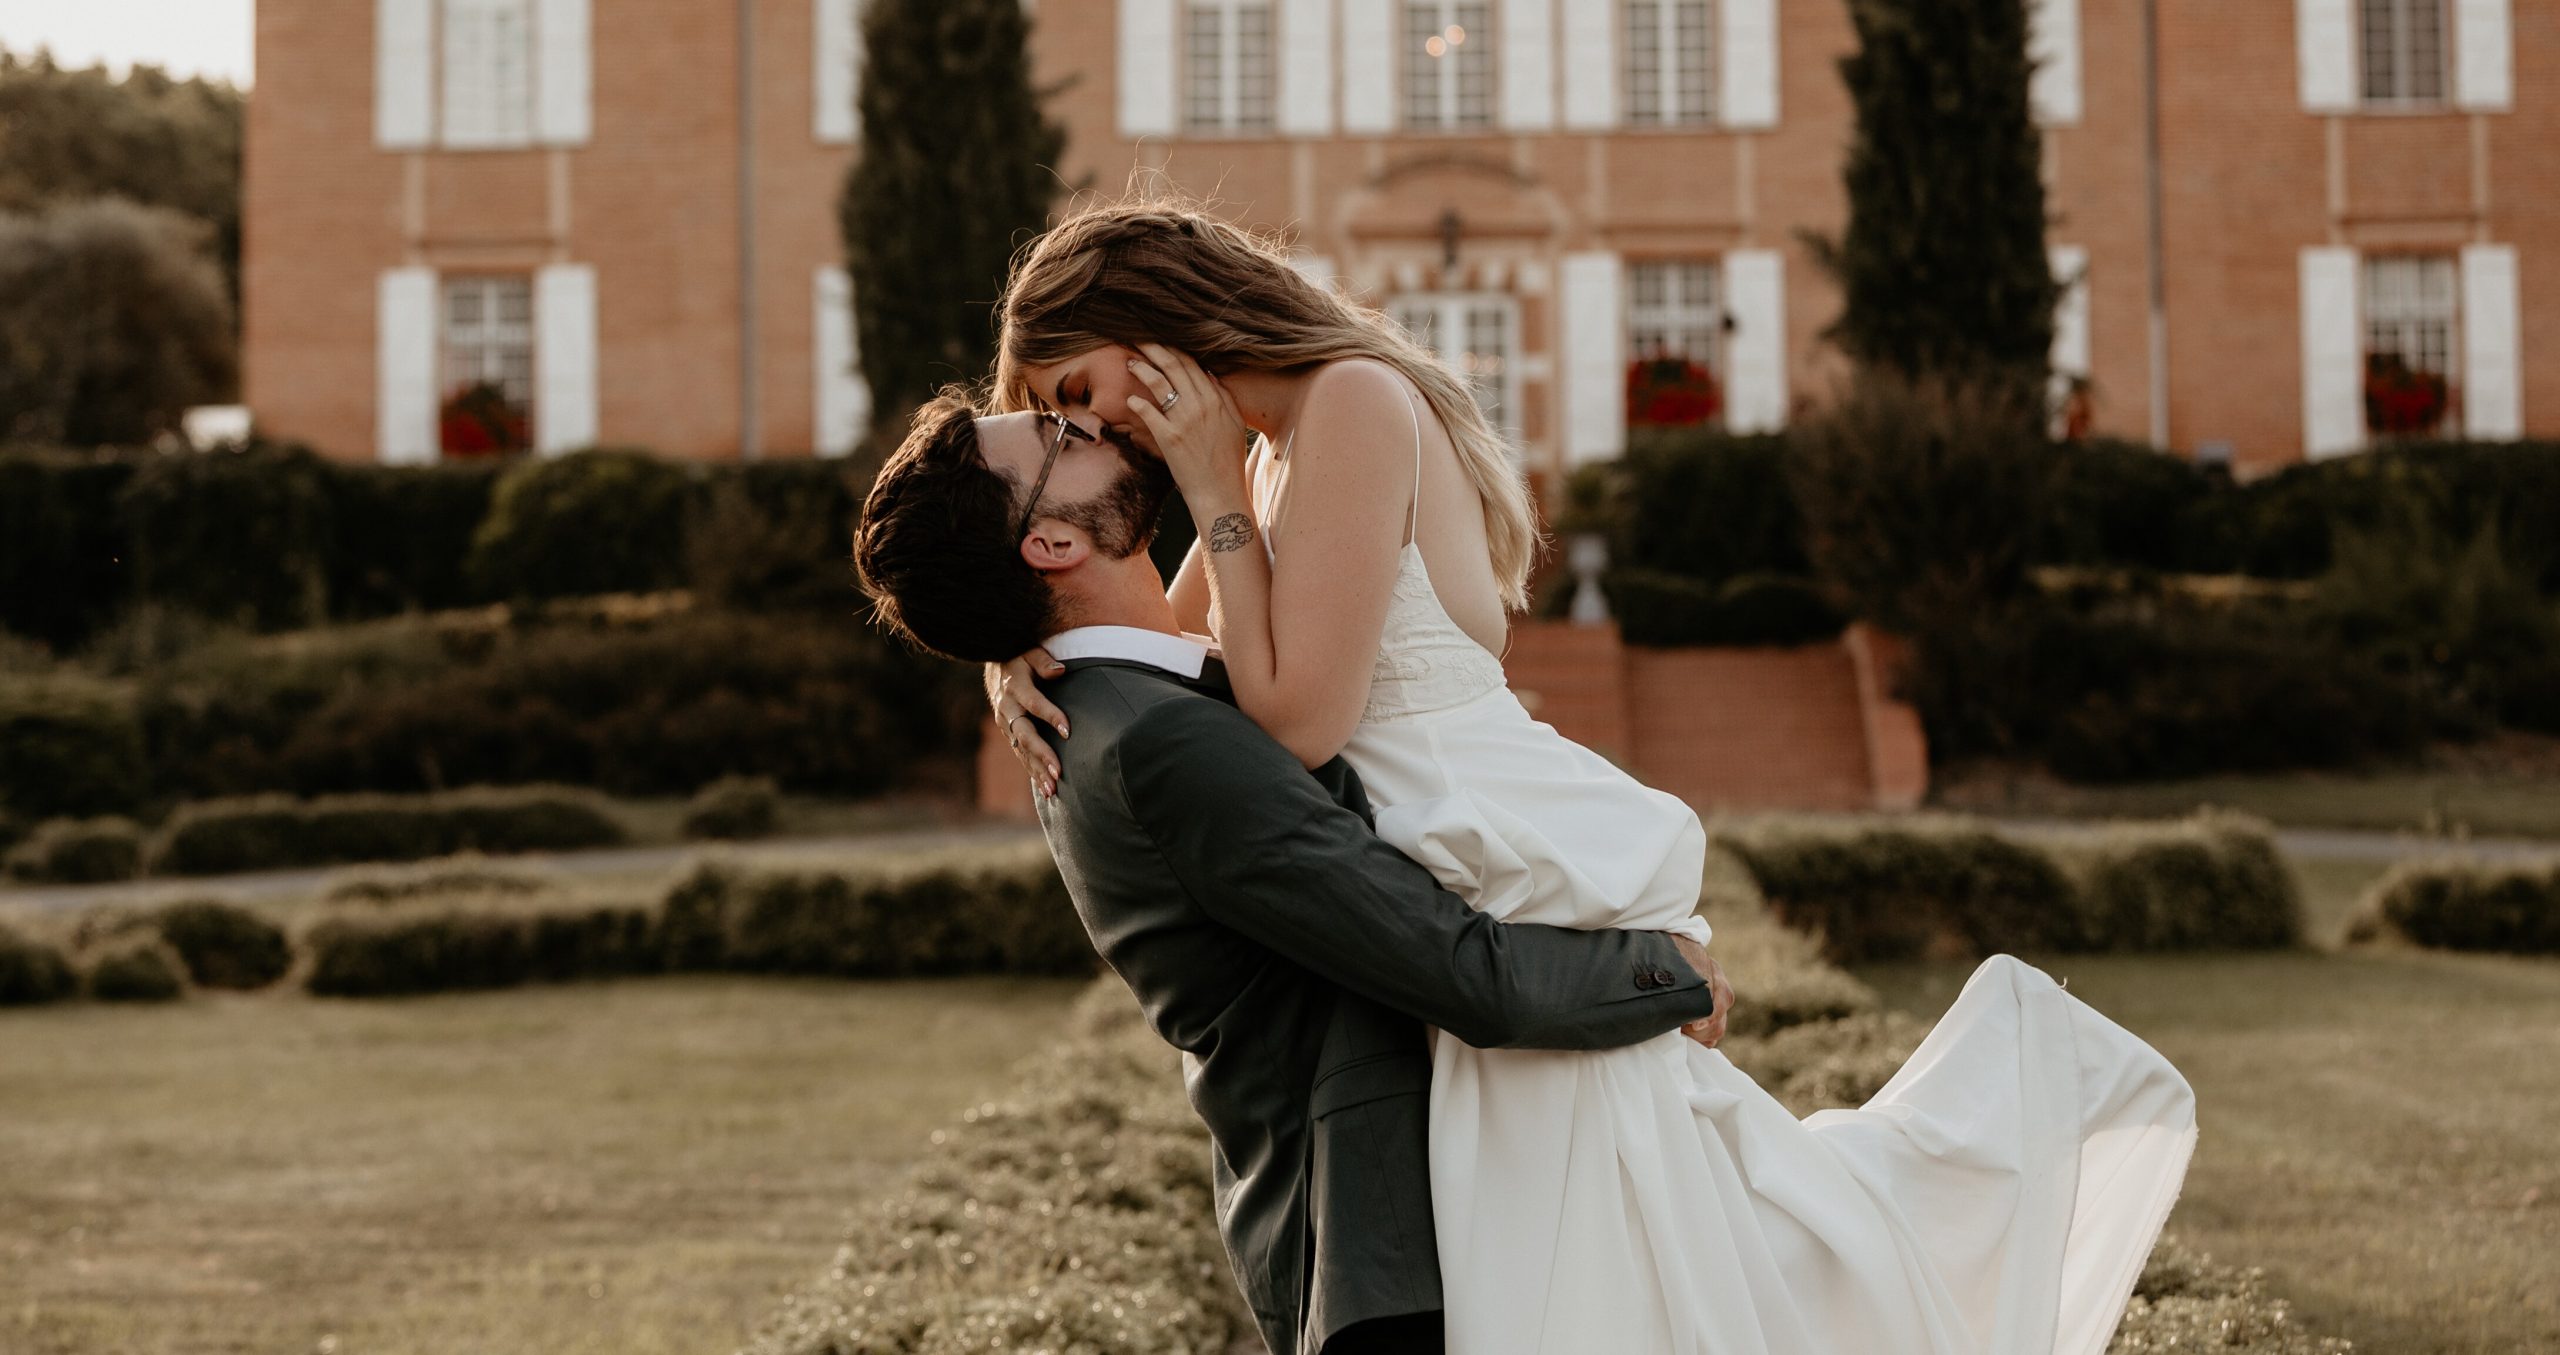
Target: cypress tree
{"points": [[1943, 261], [956, 171]]}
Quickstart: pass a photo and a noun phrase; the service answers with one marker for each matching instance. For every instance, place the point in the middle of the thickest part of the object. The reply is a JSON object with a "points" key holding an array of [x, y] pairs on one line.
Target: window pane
{"points": [[1696, 62], [1473, 36], [2422, 66], [1644, 61], [2381, 40], [1424, 51], [1253, 67]]}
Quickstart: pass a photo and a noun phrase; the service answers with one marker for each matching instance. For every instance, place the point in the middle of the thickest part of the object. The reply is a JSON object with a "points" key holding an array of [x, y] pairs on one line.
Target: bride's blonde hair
{"points": [[1143, 272]]}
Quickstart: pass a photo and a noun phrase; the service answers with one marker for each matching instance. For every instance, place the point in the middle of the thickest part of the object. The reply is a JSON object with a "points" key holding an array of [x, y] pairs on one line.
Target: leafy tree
{"points": [[67, 135], [955, 173], [1943, 260], [113, 320]]}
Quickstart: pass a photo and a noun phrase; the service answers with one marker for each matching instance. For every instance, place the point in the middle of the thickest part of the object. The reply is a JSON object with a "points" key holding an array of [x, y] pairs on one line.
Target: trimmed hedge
{"points": [[602, 521], [224, 945], [137, 970], [460, 875], [238, 535], [33, 972], [1003, 911], [68, 746], [78, 851], [275, 832], [2457, 905], [1950, 886], [1657, 608], [734, 808]]}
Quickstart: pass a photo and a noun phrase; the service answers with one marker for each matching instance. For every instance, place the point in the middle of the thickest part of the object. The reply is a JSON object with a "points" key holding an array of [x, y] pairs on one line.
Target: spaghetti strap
{"points": [[1413, 521]]}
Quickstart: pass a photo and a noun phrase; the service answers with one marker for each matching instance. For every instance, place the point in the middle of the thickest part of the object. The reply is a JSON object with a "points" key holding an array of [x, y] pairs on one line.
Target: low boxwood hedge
{"points": [[137, 969], [2464, 905], [78, 851], [274, 832], [1951, 886], [33, 971]]}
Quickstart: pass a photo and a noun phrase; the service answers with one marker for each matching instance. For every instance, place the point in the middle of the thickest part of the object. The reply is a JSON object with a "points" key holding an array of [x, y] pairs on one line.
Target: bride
{"points": [[1358, 559]]}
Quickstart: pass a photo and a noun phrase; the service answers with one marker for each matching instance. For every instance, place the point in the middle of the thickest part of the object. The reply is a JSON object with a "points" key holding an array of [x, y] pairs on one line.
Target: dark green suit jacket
{"points": [[1294, 958]]}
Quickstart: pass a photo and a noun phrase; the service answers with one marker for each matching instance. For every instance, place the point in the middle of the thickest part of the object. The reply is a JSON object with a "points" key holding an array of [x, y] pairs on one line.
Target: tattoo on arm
{"points": [[1232, 531]]}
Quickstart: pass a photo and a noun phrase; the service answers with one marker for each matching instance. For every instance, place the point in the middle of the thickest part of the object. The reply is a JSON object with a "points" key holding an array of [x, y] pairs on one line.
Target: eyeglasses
{"points": [[1031, 506]]}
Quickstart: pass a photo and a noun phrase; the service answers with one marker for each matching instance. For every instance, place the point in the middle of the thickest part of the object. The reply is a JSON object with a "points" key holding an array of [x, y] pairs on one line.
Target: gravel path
{"points": [[275, 884]]}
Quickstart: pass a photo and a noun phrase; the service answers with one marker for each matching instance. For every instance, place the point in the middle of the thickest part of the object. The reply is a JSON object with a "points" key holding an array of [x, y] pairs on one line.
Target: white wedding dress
{"points": [[1997, 1197]]}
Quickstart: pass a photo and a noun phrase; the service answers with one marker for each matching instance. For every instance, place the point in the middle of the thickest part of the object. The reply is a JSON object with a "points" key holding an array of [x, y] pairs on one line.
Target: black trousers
{"points": [[1411, 1334]]}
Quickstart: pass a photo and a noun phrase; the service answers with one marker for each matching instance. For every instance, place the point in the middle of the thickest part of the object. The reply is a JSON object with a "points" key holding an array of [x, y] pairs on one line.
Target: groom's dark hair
{"points": [[934, 549]]}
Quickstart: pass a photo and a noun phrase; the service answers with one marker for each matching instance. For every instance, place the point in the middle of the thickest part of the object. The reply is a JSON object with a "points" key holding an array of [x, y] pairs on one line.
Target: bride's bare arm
{"points": [[1189, 591], [1300, 641]]}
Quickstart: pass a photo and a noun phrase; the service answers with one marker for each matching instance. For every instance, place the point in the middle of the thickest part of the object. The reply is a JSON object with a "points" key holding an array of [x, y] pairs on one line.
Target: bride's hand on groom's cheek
{"points": [[1190, 418], [1017, 701]]}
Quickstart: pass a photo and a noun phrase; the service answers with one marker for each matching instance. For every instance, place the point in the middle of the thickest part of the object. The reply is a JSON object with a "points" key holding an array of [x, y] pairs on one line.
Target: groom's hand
{"points": [[1710, 1031]]}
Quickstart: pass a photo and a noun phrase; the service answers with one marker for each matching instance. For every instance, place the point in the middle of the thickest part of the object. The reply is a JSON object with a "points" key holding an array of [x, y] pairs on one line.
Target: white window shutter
{"points": [[837, 120], [406, 380], [1595, 367], [2054, 41], [1527, 45], [2332, 354], [2492, 361], [1590, 65], [1368, 66], [1306, 67], [1755, 292], [1147, 60], [404, 63], [565, 83], [2070, 357], [564, 358], [1748, 76], [2324, 33], [844, 397], [2483, 56]]}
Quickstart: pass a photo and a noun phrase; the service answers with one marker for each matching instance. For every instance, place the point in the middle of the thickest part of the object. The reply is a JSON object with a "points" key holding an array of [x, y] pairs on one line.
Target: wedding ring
{"points": [[1169, 400]]}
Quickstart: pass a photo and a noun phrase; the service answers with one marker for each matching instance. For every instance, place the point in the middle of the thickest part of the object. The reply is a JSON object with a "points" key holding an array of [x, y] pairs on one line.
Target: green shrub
{"points": [[396, 954], [1701, 504], [79, 851], [140, 970], [68, 747], [32, 972], [1940, 886], [66, 569], [1655, 608], [2211, 882], [1881, 893], [225, 945], [2123, 505], [775, 535], [238, 535], [654, 710], [1000, 911], [2454, 905], [734, 808], [277, 832], [603, 521], [400, 538]]}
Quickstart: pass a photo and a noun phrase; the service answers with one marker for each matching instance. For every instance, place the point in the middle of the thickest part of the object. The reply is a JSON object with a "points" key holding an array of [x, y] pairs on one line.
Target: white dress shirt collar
{"points": [[1181, 655]]}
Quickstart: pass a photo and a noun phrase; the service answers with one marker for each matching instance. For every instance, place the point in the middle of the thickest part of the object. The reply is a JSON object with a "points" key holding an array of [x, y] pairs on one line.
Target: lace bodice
{"points": [[1425, 661]]}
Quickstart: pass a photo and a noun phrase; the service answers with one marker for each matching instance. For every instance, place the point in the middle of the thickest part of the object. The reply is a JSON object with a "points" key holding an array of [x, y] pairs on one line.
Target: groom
{"points": [[1289, 953]]}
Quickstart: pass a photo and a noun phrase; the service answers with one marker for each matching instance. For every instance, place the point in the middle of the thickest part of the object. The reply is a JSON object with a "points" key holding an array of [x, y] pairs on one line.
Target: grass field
{"points": [[631, 1167], [2378, 1126]]}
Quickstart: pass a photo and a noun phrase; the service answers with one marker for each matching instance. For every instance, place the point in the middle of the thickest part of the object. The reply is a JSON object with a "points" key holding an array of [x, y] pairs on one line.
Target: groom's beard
{"points": [[1122, 519]]}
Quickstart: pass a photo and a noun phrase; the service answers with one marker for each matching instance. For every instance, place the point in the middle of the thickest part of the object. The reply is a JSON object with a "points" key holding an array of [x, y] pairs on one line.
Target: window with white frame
{"points": [[1670, 62], [1673, 311], [1448, 63], [2404, 51], [488, 60], [1474, 332], [2409, 319], [487, 363], [1228, 77]]}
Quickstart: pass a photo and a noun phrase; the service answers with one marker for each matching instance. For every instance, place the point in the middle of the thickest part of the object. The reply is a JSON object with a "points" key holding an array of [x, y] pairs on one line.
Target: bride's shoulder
{"points": [[1356, 400]]}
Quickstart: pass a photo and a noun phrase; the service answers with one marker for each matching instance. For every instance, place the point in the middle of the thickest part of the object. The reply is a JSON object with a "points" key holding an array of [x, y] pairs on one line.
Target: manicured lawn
{"points": [[2475, 804], [628, 1167], [2379, 1126]]}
